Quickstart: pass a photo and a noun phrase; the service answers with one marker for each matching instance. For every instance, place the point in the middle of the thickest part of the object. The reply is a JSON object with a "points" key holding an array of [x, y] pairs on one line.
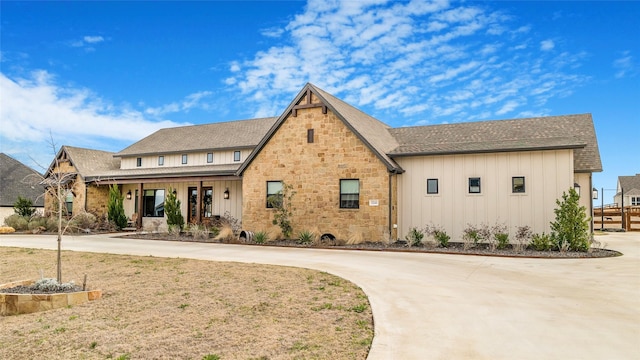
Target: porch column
{"points": [[199, 203], [140, 207]]}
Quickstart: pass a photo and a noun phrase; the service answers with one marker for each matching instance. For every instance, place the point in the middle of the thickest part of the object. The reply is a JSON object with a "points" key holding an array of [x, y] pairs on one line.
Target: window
{"points": [[474, 185], [236, 156], [517, 184], [274, 193], [432, 186], [349, 194], [184, 158], [635, 201], [139, 162], [160, 160], [310, 136], [68, 202], [209, 158], [153, 203]]}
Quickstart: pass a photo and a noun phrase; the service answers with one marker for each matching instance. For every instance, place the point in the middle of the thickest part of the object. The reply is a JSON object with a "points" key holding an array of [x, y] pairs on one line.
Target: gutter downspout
{"points": [[391, 174]]}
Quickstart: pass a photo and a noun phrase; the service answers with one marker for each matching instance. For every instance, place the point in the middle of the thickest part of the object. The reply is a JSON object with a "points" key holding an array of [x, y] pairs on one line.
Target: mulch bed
{"points": [[456, 248]]}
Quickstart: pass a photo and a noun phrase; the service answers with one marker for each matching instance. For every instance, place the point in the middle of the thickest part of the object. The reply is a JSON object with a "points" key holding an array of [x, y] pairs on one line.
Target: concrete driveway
{"points": [[431, 306]]}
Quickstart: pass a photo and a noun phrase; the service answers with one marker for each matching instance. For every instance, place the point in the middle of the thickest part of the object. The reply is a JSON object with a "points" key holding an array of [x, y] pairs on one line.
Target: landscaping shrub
{"points": [[523, 237], [571, 226], [17, 222], [83, 221], [414, 237], [260, 237], [305, 237], [281, 202], [115, 208], [24, 207], [172, 209], [500, 238], [38, 222], [541, 242], [470, 237]]}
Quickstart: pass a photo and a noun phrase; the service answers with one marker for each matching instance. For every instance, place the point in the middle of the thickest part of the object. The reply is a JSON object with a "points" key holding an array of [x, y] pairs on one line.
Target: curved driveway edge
{"points": [[433, 306]]}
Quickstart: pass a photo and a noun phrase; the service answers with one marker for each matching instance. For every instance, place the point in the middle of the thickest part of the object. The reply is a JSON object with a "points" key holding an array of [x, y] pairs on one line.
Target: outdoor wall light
{"points": [[175, 192], [594, 193], [129, 195], [576, 187], [226, 194]]}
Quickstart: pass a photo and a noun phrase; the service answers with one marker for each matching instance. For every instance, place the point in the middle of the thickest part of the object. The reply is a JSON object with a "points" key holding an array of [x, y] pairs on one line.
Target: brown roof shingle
{"points": [[551, 132], [222, 135]]}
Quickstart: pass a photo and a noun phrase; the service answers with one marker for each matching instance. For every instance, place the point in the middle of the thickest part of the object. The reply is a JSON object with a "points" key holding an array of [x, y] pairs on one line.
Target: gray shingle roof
{"points": [[178, 171], [629, 183], [17, 179], [552, 132], [216, 136], [88, 162]]}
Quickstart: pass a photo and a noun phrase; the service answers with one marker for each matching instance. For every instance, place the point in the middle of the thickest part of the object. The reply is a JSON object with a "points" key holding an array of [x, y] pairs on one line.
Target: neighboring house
{"points": [[630, 185], [17, 179], [354, 177]]}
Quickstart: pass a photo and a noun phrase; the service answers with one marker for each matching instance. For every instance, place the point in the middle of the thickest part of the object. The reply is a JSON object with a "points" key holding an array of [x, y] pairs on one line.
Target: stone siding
{"points": [[97, 199], [314, 170]]}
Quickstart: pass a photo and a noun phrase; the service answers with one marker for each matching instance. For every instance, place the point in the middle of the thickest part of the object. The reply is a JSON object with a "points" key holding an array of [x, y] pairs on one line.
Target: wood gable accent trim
{"points": [[308, 104]]}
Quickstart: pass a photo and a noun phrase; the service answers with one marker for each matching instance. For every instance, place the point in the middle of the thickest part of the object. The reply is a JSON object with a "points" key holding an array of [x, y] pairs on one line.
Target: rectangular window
{"points": [[310, 136], [474, 185], [184, 158], [153, 203], [139, 162], [68, 203], [209, 158], [236, 156], [160, 160], [517, 184], [274, 194], [635, 201], [432, 186], [349, 194]]}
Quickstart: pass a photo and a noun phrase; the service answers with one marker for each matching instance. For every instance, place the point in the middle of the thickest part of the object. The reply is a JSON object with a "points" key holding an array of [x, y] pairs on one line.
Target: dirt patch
{"points": [[157, 308]]}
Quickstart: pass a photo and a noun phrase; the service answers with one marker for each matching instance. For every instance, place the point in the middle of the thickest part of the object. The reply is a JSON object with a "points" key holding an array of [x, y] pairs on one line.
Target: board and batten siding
{"points": [[193, 159], [547, 174]]}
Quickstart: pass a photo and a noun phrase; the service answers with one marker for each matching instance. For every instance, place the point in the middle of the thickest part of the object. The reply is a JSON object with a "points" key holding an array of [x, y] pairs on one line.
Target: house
{"points": [[17, 179], [354, 177], [630, 185]]}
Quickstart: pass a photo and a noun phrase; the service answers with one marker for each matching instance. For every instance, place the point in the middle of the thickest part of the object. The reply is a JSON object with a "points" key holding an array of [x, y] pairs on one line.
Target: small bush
{"points": [[541, 242], [499, 238], [37, 222], [24, 207], [502, 239], [414, 237], [470, 237], [260, 237], [17, 222], [305, 237], [83, 221], [52, 285], [442, 238], [523, 237]]}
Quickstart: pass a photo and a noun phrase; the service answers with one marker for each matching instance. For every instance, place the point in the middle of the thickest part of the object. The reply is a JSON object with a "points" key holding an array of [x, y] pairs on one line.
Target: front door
{"points": [[206, 205]]}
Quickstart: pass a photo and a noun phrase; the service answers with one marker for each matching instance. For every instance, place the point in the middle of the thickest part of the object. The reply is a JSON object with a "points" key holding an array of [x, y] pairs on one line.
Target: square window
{"points": [[160, 160], [274, 194], [350, 194], [153, 203], [309, 136], [517, 184], [635, 201], [209, 158], [139, 162], [474, 185], [432, 186], [236, 156], [184, 158]]}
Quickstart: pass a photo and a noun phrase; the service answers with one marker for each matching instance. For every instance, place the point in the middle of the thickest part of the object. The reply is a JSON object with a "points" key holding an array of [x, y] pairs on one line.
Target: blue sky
{"points": [[103, 75]]}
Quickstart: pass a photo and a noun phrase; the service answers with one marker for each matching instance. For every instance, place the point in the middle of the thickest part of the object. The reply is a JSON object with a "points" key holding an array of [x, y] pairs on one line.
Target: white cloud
{"points": [[623, 65], [547, 45], [93, 39], [422, 59], [189, 102], [36, 107]]}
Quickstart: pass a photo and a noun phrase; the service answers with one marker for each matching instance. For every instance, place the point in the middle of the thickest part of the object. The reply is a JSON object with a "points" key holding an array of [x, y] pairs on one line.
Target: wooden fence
{"points": [[611, 218]]}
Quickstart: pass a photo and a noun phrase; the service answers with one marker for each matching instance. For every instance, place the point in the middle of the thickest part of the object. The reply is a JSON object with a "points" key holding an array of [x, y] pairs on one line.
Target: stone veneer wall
{"points": [[79, 190], [97, 199], [314, 170]]}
